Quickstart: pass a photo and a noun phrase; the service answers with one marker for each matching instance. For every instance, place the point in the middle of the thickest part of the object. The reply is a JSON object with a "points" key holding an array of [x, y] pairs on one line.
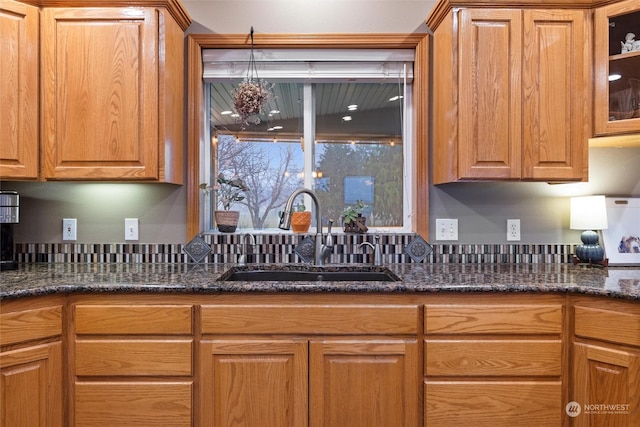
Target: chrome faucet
{"points": [[322, 251], [377, 250], [242, 260]]}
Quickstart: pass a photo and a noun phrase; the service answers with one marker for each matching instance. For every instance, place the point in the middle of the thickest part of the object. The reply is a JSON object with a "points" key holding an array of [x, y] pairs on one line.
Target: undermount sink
{"points": [[312, 274]]}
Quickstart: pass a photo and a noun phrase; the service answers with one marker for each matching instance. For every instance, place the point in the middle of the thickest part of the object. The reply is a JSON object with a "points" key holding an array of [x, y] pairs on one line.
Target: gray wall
{"points": [[481, 208]]}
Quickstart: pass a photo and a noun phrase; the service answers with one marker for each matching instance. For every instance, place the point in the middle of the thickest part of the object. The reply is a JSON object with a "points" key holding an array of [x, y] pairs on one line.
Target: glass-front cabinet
{"points": [[617, 68]]}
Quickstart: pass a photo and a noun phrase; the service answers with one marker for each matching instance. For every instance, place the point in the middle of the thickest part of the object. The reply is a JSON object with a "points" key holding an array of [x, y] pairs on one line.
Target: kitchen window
{"points": [[339, 122]]}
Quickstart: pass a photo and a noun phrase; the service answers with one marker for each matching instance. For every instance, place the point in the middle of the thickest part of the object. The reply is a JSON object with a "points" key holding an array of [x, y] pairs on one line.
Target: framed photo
{"points": [[622, 238]]}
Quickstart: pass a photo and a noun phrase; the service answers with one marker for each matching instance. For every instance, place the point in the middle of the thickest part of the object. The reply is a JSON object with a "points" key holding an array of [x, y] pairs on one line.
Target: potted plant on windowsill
{"points": [[352, 219], [228, 191], [300, 219]]}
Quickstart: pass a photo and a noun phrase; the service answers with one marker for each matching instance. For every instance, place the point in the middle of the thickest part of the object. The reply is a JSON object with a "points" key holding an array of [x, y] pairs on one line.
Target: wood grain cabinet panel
{"points": [[133, 319], [112, 94], [256, 382], [606, 386], [131, 363], [490, 318], [364, 383], [494, 364], [517, 106], [309, 319], [606, 362], [33, 324], [493, 403], [133, 404], [31, 386], [19, 98], [608, 325], [133, 357], [490, 357]]}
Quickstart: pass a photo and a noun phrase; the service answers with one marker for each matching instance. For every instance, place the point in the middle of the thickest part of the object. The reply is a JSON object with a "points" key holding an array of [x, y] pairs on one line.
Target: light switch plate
{"points": [[446, 229], [131, 229], [69, 229]]}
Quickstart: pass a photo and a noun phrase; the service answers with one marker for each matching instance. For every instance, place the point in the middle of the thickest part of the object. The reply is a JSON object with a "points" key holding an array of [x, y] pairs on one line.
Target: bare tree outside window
{"points": [[272, 171]]}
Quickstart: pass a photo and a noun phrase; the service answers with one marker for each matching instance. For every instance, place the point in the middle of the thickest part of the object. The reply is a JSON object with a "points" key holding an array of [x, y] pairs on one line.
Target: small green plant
{"points": [[229, 190], [350, 213], [299, 207]]}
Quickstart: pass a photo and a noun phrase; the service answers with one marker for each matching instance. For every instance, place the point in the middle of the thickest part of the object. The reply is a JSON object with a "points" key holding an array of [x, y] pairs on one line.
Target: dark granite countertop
{"points": [[42, 279]]}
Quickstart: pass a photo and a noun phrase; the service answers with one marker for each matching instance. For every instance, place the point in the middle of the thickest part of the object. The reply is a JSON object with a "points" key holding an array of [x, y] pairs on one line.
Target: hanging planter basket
{"points": [[252, 94]]}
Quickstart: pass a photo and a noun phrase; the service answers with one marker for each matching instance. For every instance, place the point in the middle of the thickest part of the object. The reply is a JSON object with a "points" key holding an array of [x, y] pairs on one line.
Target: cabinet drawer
{"points": [[607, 325], [139, 357], [493, 319], [309, 319], [133, 319], [27, 325], [493, 357], [100, 404], [493, 403]]}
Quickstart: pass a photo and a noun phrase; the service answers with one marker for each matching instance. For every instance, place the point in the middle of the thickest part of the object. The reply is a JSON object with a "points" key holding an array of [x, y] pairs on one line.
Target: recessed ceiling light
{"points": [[614, 77], [395, 98], [352, 107], [346, 119], [225, 113], [274, 112], [234, 115]]}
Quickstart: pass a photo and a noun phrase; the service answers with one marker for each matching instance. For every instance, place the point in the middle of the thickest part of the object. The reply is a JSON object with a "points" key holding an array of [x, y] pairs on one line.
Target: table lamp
{"points": [[589, 213]]}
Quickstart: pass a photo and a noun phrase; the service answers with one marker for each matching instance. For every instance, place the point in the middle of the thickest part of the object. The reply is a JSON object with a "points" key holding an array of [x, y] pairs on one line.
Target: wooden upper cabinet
{"points": [[112, 87], [509, 95], [556, 94], [616, 101], [18, 90]]}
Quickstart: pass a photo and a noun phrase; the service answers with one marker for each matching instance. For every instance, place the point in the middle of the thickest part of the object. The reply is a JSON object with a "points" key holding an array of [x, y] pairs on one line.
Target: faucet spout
{"points": [[246, 250], [285, 224]]}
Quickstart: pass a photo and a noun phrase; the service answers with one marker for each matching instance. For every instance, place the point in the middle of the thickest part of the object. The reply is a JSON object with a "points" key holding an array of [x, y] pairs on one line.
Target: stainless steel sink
{"points": [[312, 274]]}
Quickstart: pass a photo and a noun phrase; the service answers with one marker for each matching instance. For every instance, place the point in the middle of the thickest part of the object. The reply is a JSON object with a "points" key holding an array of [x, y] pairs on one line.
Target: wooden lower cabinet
{"points": [[296, 383], [490, 363], [31, 363], [132, 362], [254, 382], [606, 386], [606, 363], [319, 360], [364, 383], [31, 386]]}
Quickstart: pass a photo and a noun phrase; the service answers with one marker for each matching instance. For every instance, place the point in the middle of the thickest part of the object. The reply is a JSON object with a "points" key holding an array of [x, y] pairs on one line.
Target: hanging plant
{"points": [[252, 94]]}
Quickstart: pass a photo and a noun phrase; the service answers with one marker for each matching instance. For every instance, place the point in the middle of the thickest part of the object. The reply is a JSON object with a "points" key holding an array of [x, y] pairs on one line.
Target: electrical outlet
{"points": [[513, 230], [131, 229], [446, 229], [69, 229]]}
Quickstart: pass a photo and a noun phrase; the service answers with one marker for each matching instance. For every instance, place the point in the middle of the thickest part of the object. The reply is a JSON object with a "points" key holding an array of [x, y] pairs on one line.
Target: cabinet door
{"points": [[254, 383], [31, 386], [18, 90], [100, 93], [606, 386], [617, 99], [489, 100], [364, 383], [555, 95]]}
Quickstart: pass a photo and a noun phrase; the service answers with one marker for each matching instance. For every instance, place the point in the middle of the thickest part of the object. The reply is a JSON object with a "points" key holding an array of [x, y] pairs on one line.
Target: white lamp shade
{"points": [[588, 213]]}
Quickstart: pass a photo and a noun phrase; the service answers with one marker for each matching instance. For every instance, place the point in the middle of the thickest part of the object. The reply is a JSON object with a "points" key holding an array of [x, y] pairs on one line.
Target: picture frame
{"points": [[621, 239]]}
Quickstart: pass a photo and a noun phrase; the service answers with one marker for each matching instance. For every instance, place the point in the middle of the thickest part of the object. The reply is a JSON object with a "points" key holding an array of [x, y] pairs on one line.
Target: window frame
{"points": [[196, 125]]}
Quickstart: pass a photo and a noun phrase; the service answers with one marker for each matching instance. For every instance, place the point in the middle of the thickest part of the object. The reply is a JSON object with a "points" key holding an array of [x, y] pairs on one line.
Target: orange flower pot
{"points": [[300, 221]]}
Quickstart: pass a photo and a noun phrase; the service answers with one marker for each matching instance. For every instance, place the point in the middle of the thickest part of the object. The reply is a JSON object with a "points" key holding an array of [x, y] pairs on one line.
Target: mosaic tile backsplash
{"points": [[279, 248]]}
